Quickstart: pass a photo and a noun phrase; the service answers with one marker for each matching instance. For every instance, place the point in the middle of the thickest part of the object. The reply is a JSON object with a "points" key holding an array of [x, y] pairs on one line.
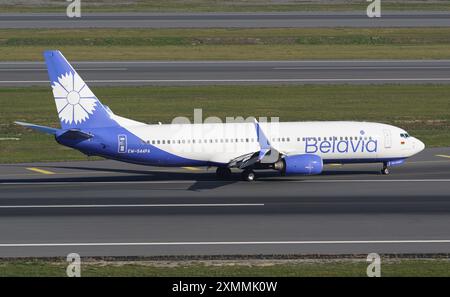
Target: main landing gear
{"points": [[223, 172], [248, 175], [385, 170]]}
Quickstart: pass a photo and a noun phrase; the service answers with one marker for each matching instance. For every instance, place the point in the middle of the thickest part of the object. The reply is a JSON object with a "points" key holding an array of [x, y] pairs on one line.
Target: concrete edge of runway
{"points": [[251, 257], [231, 13]]}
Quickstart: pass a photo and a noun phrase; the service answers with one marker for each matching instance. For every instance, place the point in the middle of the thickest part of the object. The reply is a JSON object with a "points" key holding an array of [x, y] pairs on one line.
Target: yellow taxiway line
{"points": [[443, 156], [40, 170], [191, 168]]}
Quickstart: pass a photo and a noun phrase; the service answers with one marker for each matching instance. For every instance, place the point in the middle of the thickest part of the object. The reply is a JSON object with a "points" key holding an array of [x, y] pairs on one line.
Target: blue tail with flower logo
{"points": [[77, 106]]}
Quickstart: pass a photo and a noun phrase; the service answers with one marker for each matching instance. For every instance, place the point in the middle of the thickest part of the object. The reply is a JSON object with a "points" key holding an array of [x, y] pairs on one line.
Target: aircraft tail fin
{"points": [[76, 104]]}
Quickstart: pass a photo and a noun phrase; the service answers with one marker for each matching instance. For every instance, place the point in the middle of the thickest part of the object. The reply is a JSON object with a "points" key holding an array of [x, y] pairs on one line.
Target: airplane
{"points": [[291, 148]]}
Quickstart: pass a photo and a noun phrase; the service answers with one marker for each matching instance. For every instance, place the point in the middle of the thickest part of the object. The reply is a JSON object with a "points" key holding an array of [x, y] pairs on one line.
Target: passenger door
{"points": [[387, 138]]}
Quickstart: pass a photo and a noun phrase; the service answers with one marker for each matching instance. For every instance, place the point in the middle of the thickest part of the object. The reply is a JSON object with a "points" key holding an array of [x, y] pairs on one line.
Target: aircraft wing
{"points": [[266, 155]]}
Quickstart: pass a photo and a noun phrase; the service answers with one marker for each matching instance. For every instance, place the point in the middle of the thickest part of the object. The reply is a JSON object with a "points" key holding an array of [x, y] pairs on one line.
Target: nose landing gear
{"points": [[385, 170]]}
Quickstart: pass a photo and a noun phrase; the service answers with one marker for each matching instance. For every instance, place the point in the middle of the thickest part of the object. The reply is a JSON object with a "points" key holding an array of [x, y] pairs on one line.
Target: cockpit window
{"points": [[404, 135]]}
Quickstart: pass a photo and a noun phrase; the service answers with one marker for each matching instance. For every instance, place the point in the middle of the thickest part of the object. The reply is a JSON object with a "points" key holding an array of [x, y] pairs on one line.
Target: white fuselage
{"points": [[333, 141]]}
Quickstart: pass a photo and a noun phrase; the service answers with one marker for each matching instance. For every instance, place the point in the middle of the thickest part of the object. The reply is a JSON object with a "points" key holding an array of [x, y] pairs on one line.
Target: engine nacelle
{"points": [[305, 164]]}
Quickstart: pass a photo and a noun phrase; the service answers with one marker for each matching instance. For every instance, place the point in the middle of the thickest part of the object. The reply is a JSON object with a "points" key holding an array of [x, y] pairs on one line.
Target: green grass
{"points": [[224, 6], [389, 267], [227, 44], [423, 110]]}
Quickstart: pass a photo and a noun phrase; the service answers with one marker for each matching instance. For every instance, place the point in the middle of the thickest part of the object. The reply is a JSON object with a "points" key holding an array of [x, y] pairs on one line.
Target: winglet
{"points": [[263, 143], [262, 139]]}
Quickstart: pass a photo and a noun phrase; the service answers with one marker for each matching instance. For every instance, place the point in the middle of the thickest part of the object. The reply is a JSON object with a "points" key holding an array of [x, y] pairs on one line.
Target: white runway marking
{"points": [[294, 242], [359, 67], [268, 80], [369, 180], [233, 61], [215, 181], [133, 205], [80, 69]]}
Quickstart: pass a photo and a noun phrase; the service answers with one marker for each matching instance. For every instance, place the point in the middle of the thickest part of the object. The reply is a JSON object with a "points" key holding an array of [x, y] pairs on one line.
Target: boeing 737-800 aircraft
{"points": [[288, 147]]}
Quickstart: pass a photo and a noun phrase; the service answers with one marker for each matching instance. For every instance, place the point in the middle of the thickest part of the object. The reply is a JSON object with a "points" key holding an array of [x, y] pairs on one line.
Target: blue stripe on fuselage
{"points": [[104, 144]]}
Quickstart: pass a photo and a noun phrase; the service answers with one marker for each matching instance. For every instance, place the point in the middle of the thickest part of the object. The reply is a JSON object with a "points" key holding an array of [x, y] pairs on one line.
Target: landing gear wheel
{"points": [[385, 170], [223, 172], [248, 175]]}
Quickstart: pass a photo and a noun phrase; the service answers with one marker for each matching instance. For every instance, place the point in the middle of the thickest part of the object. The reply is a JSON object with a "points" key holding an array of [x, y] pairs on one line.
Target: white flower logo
{"points": [[74, 100]]}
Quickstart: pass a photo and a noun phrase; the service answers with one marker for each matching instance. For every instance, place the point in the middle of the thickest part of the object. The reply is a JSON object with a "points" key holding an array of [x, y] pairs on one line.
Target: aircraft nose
{"points": [[418, 145]]}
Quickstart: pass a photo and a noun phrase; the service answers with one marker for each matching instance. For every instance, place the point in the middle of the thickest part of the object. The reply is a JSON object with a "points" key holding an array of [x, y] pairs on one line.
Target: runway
{"points": [[107, 208], [226, 20], [236, 72]]}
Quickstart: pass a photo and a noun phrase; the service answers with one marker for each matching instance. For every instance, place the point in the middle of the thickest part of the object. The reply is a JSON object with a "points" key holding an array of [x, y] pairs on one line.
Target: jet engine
{"points": [[305, 164]]}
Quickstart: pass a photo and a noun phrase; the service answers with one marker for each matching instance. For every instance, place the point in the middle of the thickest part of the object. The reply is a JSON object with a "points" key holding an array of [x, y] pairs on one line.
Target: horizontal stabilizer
{"points": [[43, 129]]}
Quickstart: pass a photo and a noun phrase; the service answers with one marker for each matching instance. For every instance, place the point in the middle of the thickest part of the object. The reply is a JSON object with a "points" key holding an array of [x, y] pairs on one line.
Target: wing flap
{"points": [[266, 155]]}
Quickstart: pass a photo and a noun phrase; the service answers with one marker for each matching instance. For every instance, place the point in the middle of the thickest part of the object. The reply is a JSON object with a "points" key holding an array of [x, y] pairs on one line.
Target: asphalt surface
{"points": [[226, 20], [236, 72], [107, 208]]}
